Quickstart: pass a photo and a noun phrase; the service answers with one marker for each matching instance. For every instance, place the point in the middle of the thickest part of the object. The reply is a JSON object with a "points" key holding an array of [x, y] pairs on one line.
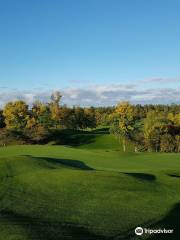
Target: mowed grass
{"points": [[89, 191]]}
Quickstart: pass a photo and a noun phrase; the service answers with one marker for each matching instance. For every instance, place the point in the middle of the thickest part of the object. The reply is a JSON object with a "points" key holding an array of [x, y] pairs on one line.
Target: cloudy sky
{"points": [[96, 52], [142, 92]]}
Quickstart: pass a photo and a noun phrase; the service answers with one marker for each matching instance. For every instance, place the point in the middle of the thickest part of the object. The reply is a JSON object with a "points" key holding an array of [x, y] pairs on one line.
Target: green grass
{"points": [[89, 191]]}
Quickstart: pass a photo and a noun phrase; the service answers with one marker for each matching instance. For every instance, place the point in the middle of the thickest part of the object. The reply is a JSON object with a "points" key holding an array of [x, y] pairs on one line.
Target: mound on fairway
{"points": [[91, 191]]}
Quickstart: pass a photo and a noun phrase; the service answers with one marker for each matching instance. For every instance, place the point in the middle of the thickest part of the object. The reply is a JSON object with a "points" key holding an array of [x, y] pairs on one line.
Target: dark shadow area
{"points": [[39, 229], [174, 175], [68, 137], [71, 137], [170, 221], [101, 131], [54, 163], [142, 176]]}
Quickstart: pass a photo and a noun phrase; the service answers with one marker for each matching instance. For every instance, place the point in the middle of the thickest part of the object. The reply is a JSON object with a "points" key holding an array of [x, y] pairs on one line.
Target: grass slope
{"points": [[90, 191]]}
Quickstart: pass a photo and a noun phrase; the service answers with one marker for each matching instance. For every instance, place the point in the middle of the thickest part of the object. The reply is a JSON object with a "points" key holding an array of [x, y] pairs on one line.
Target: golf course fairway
{"points": [[91, 191]]}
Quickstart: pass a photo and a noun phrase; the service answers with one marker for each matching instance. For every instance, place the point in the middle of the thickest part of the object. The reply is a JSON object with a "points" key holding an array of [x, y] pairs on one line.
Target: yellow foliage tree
{"points": [[55, 107], [16, 115], [123, 121], [177, 119]]}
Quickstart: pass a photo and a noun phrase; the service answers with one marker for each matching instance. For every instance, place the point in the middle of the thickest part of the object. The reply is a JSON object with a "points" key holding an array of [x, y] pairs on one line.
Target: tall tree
{"points": [[155, 124], [55, 107], [123, 122]]}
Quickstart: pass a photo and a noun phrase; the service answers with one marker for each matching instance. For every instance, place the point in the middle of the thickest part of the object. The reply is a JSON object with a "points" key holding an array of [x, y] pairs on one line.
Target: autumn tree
{"points": [[16, 115], [123, 122], [167, 143], [102, 115], [153, 140], [39, 115], [39, 122], [79, 118], [55, 107], [155, 124], [67, 117], [177, 119], [90, 117], [38, 134]]}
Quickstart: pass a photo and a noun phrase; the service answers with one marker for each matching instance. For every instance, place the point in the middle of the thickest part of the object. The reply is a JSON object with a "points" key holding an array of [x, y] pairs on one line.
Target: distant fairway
{"points": [[89, 191]]}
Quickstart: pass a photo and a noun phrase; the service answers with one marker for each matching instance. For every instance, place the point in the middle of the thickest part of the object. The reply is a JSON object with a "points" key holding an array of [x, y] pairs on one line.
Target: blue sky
{"points": [[90, 46]]}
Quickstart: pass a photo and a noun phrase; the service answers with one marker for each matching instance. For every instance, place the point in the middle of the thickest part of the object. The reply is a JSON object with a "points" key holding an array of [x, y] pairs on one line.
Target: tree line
{"points": [[34, 124], [147, 127]]}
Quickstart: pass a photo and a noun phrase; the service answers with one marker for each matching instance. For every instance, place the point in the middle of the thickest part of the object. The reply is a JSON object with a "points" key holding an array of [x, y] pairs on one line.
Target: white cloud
{"points": [[99, 95], [159, 80]]}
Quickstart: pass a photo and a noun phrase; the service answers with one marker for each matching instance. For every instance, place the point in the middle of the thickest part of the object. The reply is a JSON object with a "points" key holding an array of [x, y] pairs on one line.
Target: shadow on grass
{"points": [[101, 131], [75, 137], [72, 137], [142, 176], [174, 175], [170, 221], [54, 163], [49, 230]]}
